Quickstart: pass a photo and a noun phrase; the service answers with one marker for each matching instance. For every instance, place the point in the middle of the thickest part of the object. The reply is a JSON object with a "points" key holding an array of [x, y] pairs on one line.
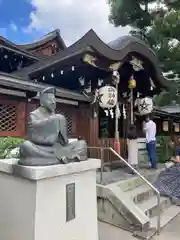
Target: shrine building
{"points": [[77, 72]]}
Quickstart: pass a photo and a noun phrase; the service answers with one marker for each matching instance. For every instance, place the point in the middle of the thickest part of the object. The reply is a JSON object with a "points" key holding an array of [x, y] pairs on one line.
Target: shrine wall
{"points": [[14, 113], [47, 49]]}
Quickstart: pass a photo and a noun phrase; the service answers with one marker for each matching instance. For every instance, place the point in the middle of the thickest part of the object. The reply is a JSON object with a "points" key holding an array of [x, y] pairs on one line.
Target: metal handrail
{"points": [[136, 172]]}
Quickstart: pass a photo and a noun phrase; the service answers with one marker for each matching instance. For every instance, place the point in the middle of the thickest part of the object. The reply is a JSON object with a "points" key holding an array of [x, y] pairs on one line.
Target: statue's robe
{"points": [[47, 138]]}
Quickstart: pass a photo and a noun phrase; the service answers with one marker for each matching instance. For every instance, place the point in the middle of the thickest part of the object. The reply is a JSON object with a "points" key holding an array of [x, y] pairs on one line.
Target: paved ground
{"points": [[170, 232]]}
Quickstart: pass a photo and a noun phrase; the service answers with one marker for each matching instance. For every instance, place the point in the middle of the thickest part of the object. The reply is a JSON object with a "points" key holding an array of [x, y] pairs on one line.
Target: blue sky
{"points": [[14, 20], [73, 17]]}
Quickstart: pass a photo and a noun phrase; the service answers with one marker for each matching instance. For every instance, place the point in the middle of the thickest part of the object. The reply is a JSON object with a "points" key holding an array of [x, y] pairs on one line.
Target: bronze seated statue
{"points": [[47, 141]]}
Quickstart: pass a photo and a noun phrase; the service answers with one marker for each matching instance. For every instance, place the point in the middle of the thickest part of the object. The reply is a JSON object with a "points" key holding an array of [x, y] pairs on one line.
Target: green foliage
{"points": [[166, 98], [158, 26], [140, 14], [7, 144], [172, 4], [135, 13], [164, 152], [164, 38]]}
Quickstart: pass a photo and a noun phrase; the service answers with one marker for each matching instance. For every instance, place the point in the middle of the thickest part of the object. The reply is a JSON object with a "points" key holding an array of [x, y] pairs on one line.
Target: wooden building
{"points": [[75, 71]]}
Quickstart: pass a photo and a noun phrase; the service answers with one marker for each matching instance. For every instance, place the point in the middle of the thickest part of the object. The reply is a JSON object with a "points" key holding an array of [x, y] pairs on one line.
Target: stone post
{"points": [[48, 203]]}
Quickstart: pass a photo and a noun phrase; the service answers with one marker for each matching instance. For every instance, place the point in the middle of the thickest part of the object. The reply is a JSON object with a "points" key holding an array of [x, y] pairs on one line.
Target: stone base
{"points": [[50, 202]]}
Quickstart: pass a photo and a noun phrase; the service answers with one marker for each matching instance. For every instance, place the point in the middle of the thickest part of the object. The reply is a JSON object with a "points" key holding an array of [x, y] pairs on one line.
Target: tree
{"points": [[164, 38], [166, 98], [156, 23], [139, 13], [158, 26], [136, 13]]}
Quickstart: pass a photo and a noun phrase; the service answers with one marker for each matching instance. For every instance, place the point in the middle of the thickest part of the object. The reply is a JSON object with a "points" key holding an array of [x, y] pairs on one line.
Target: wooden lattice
{"points": [[8, 116], [68, 117]]}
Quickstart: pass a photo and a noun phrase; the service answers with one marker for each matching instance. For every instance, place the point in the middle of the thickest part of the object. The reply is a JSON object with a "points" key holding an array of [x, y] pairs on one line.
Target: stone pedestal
{"points": [[48, 203], [133, 152]]}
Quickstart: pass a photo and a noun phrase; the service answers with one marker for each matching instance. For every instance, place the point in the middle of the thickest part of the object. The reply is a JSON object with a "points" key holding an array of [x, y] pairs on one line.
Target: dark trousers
{"points": [[151, 149], [178, 151]]}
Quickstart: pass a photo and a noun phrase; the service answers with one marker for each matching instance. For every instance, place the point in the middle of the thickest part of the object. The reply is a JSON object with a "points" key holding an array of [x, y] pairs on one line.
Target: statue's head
{"points": [[47, 99]]}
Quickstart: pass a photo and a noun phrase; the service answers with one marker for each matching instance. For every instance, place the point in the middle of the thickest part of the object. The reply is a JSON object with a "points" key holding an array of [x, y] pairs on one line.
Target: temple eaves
{"points": [[90, 41]]}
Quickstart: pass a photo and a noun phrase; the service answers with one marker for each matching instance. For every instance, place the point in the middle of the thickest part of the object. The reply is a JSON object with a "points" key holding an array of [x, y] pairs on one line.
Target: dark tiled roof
{"points": [[121, 42], [11, 46]]}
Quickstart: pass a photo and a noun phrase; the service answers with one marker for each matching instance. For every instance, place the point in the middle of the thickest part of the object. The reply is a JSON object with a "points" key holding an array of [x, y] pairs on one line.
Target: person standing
{"points": [[149, 127]]}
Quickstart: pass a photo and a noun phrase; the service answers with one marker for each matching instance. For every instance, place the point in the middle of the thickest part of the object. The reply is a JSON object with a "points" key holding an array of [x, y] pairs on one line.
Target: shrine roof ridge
{"points": [[45, 39]]}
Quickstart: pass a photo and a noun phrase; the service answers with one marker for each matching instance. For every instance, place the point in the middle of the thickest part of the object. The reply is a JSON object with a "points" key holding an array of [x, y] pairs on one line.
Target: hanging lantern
{"points": [[145, 106], [132, 83], [165, 126], [107, 97], [176, 127]]}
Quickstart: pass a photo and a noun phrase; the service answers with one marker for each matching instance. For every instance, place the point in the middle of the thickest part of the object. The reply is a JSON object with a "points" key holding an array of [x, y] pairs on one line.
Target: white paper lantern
{"points": [[165, 126], [176, 127], [107, 97], [145, 105]]}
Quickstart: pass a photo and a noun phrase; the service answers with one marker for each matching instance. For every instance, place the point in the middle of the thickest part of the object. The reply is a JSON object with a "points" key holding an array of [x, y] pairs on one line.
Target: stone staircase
{"points": [[132, 205], [146, 200]]}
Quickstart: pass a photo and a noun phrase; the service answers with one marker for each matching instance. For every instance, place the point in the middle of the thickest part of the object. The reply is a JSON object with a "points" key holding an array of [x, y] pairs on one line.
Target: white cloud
{"points": [[13, 26], [74, 18]]}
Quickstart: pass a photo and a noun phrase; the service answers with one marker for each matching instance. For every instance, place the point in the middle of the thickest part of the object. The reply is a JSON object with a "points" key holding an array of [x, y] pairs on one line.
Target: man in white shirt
{"points": [[149, 127]]}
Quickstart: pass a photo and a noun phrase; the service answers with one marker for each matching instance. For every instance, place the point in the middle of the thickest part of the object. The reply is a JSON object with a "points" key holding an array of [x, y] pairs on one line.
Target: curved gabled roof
{"points": [[47, 38], [116, 51]]}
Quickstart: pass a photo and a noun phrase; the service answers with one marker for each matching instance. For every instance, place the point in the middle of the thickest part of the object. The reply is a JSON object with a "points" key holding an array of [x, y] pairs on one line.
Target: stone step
{"points": [[150, 207], [168, 215], [135, 181], [141, 193]]}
